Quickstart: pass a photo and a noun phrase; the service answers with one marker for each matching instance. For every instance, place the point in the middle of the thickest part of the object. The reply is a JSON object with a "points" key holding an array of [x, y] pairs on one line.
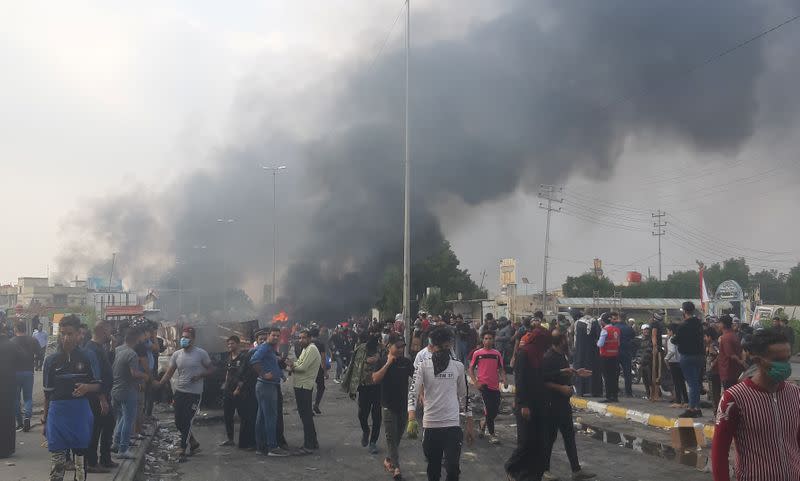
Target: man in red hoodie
{"points": [[760, 414]]}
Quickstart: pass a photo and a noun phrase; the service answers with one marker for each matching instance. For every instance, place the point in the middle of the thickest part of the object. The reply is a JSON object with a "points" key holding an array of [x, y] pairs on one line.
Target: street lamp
{"points": [[274, 171], [224, 222]]}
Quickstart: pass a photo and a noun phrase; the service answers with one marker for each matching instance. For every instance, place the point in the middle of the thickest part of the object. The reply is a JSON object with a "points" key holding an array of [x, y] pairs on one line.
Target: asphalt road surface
{"points": [[341, 456]]}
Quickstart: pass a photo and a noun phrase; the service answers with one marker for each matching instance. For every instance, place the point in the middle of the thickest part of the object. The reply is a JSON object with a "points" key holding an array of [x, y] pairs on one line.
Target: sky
{"points": [[108, 105]]}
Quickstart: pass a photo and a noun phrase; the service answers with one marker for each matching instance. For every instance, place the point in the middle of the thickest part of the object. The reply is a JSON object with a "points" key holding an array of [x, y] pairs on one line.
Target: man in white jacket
{"points": [[444, 382]]}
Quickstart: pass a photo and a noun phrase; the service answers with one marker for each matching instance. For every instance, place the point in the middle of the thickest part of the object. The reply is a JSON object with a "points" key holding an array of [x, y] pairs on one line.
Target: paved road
{"points": [[341, 456]]}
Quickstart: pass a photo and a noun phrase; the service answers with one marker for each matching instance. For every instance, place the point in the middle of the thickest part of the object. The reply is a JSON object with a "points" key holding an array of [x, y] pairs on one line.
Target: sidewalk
{"points": [[657, 414]]}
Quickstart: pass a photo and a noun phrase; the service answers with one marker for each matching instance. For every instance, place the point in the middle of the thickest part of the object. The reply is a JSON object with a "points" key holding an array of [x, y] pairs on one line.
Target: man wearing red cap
{"points": [[192, 364]]}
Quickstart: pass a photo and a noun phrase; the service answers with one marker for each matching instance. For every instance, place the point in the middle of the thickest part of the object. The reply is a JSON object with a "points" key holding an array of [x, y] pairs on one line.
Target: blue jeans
{"points": [[691, 365], [125, 411], [462, 352], [266, 420], [24, 388]]}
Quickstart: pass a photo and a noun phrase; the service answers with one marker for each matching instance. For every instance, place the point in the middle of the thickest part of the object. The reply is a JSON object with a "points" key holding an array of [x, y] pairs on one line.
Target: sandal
{"points": [[397, 476], [387, 465]]}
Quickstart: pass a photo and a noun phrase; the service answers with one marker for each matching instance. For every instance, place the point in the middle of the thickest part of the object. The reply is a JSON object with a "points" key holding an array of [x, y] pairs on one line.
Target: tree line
{"points": [[774, 287]]}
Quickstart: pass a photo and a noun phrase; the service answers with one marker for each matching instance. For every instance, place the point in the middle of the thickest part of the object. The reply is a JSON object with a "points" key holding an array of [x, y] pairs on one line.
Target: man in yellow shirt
{"points": [[304, 373]]}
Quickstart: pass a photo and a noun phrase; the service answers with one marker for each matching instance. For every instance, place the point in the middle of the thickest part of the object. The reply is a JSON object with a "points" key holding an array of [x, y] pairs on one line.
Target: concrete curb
{"points": [[647, 419], [129, 468]]}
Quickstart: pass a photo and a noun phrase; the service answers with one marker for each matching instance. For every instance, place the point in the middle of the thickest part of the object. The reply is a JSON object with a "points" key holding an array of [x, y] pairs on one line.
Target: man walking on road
{"points": [[609, 344], [41, 337], [558, 381], [192, 364], [488, 362], [305, 372], [393, 378], [265, 363], [103, 428], [444, 382], [24, 374], [760, 415], [68, 376]]}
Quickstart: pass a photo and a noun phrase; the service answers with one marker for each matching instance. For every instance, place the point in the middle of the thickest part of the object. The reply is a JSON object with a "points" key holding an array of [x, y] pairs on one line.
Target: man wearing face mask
{"points": [[192, 364], [760, 415], [444, 383]]}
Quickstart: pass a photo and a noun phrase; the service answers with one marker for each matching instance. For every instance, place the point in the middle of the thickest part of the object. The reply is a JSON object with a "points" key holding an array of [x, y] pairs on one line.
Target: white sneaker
{"points": [[126, 455], [493, 439], [548, 476]]}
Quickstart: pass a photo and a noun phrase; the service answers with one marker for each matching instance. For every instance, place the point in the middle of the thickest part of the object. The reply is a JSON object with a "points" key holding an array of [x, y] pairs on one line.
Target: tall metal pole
{"points": [[274, 171], [274, 232], [547, 192], [659, 232], [546, 257], [407, 201]]}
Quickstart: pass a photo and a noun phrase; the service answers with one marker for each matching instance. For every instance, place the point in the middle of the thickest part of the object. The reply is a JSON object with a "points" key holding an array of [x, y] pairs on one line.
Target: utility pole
{"points": [[548, 193], [274, 171], [407, 201], [659, 232]]}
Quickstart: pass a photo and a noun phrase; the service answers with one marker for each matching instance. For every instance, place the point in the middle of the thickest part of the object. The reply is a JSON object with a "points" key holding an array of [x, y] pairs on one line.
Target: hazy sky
{"points": [[99, 97]]}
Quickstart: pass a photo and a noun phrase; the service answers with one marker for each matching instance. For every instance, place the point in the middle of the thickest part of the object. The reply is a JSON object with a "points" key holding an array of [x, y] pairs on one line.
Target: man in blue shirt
{"points": [[265, 363]]}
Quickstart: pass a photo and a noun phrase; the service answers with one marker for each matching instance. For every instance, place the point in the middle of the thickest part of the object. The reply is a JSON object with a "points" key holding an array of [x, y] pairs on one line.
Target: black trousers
{"points": [[303, 397], [438, 443], [248, 410], [561, 420], [647, 378], [369, 402], [611, 377], [186, 406], [230, 406], [527, 460], [625, 363], [679, 383], [716, 389], [102, 434], [491, 405], [320, 387], [279, 426]]}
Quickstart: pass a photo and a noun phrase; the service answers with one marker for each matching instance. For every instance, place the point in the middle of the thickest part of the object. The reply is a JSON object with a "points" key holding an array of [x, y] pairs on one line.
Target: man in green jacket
{"points": [[304, 373]]}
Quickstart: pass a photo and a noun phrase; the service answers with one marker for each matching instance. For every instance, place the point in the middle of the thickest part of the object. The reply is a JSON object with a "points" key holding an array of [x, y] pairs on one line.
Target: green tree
{"points": [[585, 285], [440, 269], [772, 284], [793, 286], [736, 269]]}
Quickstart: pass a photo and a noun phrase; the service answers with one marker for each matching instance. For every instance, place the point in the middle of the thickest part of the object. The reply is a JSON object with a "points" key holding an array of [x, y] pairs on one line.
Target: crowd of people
{"points": [[100, 386]]}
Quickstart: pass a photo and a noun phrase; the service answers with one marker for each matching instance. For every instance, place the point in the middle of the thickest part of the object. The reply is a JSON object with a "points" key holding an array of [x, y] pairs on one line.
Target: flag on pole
{"points": [[704, 299]]}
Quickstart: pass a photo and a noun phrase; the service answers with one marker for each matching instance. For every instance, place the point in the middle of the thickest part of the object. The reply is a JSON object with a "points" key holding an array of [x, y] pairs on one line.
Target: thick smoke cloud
{"points": [[541, 92]]}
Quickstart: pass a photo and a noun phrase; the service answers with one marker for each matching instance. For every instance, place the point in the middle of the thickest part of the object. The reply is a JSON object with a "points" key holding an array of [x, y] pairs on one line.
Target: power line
{"points": [[705, 63], [388, 35]]}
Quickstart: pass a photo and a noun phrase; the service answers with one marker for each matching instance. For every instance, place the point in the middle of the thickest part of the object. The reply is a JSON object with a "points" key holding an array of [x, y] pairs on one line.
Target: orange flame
{"points": [[280, 317]]}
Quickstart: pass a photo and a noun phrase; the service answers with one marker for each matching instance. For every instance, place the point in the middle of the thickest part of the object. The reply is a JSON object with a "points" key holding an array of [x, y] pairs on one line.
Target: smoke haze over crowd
{"points": [[533, 92]]}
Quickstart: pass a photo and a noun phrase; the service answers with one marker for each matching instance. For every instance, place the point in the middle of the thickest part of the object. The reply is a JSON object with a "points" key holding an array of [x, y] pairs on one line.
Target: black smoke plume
{"points": [[535, 94]]}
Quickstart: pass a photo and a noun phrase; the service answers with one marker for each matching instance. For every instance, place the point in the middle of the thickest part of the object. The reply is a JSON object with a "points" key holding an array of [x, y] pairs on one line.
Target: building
{"points": [[32, 291]]}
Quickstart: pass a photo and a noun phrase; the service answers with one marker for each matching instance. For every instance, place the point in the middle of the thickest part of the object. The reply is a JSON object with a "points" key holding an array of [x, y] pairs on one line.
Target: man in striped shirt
{"points": [[761, 415]]}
